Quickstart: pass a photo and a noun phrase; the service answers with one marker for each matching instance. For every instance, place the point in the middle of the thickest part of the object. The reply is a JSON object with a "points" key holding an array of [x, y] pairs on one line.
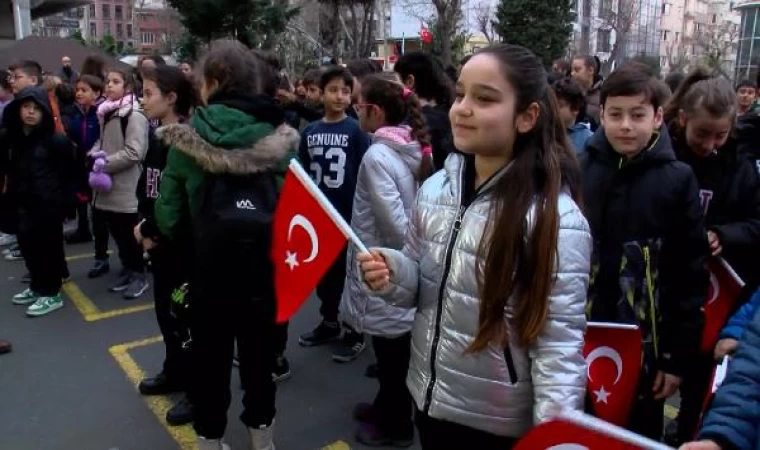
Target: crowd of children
{"points": [[501, 213]]}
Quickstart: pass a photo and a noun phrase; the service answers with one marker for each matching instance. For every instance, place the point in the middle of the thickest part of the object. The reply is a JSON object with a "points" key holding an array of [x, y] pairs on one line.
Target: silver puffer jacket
{"points": [[504, 391], [385, 191]]}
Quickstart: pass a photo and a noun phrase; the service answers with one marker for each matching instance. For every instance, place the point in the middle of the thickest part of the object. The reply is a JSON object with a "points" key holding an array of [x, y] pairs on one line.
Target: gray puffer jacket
{"points": [[504, 391], [385, 191]]}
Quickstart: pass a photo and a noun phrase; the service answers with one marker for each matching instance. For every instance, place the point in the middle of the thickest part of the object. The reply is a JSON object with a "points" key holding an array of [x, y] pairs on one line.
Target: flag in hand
{"points": [[613, 356], [578, 431], [306, 240], [724, 290], [719, 374], [426, 36]]}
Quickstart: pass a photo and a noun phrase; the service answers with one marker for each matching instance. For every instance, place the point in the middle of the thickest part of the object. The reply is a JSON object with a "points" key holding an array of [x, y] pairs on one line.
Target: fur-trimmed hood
{"points": [[265, 154]]}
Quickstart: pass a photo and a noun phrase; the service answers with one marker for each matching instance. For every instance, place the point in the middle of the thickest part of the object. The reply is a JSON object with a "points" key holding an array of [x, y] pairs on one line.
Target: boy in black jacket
{"points": [[41, 164], [649, 238]]}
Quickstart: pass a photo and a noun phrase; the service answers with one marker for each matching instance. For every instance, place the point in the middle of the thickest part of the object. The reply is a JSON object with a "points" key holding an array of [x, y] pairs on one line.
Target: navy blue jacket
{"points": [[734, 417]]}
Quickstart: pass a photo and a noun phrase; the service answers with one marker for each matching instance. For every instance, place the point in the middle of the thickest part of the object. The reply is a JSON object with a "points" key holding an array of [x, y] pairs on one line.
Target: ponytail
{"points": [[700, 90], [420, 133]]}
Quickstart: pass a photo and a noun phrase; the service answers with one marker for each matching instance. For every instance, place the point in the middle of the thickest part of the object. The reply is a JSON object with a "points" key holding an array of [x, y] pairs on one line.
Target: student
{"points": [[188, 69], [25, 74], [310, 108], [423, 74], [332, 148], [82, 127], [585, 72], [237, 138], [498, 333], [168, 97], [701, 117], [572, 111], [391, 170], [121, 149], [41, 163], [746, 94], [733, 332], [733, 421], [643, 208]]}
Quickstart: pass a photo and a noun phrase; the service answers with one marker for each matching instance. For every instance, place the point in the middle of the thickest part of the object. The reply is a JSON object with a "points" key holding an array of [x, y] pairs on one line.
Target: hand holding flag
{"points": [[725, 287]]}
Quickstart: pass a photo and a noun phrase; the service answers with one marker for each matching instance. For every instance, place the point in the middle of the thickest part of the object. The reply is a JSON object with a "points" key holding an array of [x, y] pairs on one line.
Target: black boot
{"points": [[180, 414], [159, 385]]}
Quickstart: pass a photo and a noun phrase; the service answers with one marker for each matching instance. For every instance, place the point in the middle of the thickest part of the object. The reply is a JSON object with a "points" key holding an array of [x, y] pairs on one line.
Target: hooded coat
{"points": [[39, 185]]}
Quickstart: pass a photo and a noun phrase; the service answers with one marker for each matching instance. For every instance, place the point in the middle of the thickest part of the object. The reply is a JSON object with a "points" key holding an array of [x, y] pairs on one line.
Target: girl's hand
{"points": [[375, 270], [137, 233], [700, 445], [715, 246], [665, 385], [725, 347]]}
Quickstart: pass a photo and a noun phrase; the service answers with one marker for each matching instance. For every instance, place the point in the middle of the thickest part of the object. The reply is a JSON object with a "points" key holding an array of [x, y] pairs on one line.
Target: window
{"points": [[93, 30], [665, 35], [129, 30], [106, 28], [603, 41], [92, 10], [119, 30], [118, 12], [129, 13], [605, 8], [147, 38], [715, 18], [665, 9], [80, 13], [106, 11], [677, 35]]}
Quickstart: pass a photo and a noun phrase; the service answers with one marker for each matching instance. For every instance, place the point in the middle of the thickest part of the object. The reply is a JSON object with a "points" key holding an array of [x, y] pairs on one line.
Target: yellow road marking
{"points": [[337, 445], [92, 313], [82, 256], [159, 405], [671, 412]]}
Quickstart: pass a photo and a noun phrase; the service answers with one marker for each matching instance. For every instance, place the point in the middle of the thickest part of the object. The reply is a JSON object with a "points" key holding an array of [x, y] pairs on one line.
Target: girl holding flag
{"points": [[500, 302], [700, 118]]}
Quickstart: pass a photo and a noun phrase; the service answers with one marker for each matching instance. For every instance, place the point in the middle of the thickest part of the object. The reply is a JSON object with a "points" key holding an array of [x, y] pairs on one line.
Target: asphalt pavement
{"points": [[70, 382]]}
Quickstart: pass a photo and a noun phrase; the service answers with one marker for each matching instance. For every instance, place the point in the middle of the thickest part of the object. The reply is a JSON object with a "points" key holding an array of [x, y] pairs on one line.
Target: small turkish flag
{"points": [[724, 290], [719, 374], [613, 355], [306, 240], [578, 431], [425, 35]]}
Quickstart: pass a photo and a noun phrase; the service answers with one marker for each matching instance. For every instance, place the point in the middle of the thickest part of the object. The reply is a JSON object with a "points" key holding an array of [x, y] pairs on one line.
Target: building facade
{"points": [[748, 61], [157, 27]]}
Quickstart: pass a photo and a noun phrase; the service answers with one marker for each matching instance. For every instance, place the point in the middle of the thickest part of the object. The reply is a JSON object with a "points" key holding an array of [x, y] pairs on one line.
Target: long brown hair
{"points": [[400, 104], [520, 255]]}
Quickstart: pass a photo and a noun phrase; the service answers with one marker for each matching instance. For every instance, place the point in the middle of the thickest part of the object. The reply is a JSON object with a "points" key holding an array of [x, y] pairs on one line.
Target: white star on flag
{"points": [[601, 395], [291, 259]]}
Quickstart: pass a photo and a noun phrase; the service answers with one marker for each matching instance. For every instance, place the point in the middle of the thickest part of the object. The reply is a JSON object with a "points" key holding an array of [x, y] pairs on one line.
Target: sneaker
{"points": [[78, 237], [12, 248], [372, 436], [261, 438], [211, 444], [324, 333], [25, 297], [123, 284], [5, 346], [100, 268], [14, 255], [364, 412], [281, 370], [7, 239], [352, 346], [45, 305], [26, 278], [180, 414], [137, 287]]}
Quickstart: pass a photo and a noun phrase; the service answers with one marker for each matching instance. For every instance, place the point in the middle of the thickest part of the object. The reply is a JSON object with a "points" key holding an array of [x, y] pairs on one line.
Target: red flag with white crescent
{"points": [[613, 356], [719, 374], [578, 431], [725, 288], [426, 36]]}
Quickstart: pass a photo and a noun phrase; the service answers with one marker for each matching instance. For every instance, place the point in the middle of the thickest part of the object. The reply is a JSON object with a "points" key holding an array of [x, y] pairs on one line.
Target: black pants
{"points": [[222, 314], [694, 388], [647, 414], [83, 221], [121, 227], [330, 289], [393, 403], [42, 248], [281, 338], [168, 274], [442, 435]]}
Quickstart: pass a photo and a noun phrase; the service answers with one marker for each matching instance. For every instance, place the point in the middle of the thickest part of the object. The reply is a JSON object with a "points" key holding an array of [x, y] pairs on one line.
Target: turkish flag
{"points": [[581, 432], [305, 243], [613, 355], [425, 35], [724, 290], [719, 374]]}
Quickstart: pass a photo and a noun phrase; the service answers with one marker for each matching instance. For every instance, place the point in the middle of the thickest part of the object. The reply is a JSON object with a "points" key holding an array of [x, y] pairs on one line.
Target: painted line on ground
{"points": [[185, 435], [90, 311], [82, 256], [159, 405], [671, 412]]}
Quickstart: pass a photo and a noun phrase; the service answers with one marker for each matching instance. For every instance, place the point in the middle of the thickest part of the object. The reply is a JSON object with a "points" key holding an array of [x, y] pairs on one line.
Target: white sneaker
{"points": [[211, 444], [262, 438], [7, 239]]}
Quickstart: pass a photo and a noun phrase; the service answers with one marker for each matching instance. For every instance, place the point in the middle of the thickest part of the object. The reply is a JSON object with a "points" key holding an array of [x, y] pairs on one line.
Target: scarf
{"points": [[398, 135], [109, 106]]}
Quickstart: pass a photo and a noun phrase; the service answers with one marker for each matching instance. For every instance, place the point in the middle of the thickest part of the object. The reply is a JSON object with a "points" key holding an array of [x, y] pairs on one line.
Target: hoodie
{"points": [[650, 247], [40, 165], [386, 188]]}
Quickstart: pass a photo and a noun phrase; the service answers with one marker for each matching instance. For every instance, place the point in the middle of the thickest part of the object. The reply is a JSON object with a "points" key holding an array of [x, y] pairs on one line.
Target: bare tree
{"points": [[447, 18], [677, 55], [361, 32], [484, 17], [621, 20], [715, 44]]}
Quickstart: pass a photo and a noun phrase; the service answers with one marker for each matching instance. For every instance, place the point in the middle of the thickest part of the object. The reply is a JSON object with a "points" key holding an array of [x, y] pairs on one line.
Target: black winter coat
{"points": [[40, 166], [650, 247], [748, 137], [729, 189]]}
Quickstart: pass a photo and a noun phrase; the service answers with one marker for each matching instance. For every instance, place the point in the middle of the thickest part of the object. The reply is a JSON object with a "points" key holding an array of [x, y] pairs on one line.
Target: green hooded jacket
{"points": [[220, 140]]}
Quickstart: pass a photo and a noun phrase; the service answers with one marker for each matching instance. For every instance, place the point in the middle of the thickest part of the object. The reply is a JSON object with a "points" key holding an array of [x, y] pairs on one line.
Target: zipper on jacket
{"points": [[439, 311], [510, 364], [650, 290]]}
